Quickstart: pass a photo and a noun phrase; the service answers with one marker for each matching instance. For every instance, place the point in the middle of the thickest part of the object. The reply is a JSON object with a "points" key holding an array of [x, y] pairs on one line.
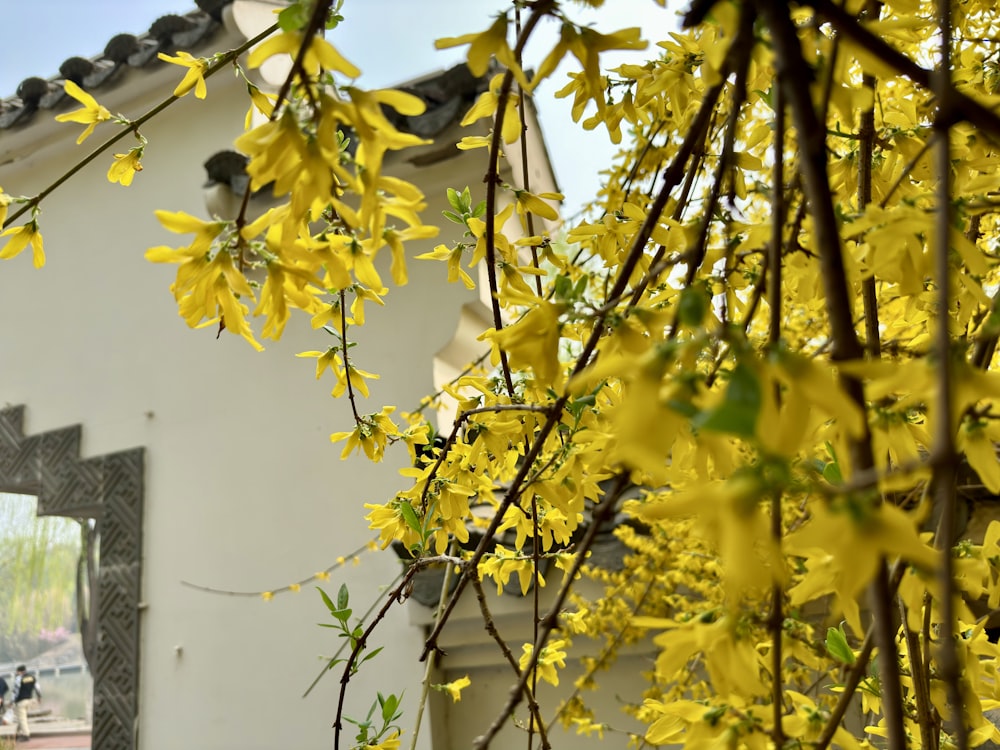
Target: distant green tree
{"points": [[39, 559]]}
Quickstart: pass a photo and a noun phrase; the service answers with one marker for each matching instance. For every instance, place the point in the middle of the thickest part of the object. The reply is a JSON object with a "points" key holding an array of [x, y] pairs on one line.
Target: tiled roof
{"points": [[123, 52], [447, 94]]}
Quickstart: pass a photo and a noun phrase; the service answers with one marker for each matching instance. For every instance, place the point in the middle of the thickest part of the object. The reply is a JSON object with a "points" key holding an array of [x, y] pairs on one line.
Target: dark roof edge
{"points": [[123, 52]]}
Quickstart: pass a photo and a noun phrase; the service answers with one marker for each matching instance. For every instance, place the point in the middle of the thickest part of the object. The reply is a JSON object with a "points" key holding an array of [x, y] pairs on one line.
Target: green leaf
{"points": [[563, 287], [389, 705], [737, 414], [293, 18], [410, 516], [454, 199], [831, 471], [453, 217], [326, 600], [693, 305], [343, 596], [370, 655], [836, 646]]}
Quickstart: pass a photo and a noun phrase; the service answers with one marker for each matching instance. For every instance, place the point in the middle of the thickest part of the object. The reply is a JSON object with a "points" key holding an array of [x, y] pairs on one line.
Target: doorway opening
{"points": [[47, 564], [106, 492]]}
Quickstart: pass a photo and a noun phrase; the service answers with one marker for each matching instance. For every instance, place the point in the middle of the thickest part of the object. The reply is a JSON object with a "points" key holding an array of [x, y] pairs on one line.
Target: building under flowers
{"points": [[221, 504]]}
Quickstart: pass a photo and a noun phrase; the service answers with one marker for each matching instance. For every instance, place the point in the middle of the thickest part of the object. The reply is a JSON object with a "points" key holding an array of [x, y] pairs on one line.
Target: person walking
{"points": [[4, 687], [25, 690]]}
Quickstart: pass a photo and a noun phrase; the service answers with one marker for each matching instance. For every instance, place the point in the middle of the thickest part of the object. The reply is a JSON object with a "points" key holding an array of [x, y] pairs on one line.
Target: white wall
{"points": [[243, 489]]}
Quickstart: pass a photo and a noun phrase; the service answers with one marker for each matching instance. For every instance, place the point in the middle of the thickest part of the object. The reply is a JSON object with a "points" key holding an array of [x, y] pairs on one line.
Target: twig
{"points": [[945, 473], [525, 176], [866, 155], [918, 675], [856, 673], [333, 659], [431, 662], [133, 125], [395, 596], [793, 75], [962, 106], [288, 587], [493, 178], [602, 512], [491, 629]]}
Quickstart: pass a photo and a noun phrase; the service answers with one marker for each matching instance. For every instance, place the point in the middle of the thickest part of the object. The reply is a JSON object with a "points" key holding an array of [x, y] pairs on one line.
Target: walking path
{"points": [[64, 734]]}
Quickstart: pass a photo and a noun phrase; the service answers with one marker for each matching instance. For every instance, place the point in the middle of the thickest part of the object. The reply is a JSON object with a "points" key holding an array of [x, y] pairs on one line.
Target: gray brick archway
{"points": [[109, 489]]}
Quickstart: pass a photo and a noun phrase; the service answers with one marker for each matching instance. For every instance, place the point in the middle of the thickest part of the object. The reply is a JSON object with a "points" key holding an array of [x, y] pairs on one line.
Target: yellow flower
{"points": [[194, 78], [454, 258], [295, 587], [389, 743], [529, 202], [4, 202], [454, 689], [552, 656], [20, 238], [320, 54], [532, 342], [470, 142], [124, 167], [483, 45], [179, 222], [588, 727], [91, 114], [267, 595], [323, 575]]}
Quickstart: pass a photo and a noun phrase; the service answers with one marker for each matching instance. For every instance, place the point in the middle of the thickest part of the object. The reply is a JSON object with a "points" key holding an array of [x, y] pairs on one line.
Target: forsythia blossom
{"points": [[20, 238], [552, 656], [4, 202], [124, 167], [195, 76], [454, 688], [91, 114]]}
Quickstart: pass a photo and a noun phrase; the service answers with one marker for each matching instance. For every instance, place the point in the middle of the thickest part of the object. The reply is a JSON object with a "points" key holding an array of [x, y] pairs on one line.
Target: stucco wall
{"points": [[243, 489]]}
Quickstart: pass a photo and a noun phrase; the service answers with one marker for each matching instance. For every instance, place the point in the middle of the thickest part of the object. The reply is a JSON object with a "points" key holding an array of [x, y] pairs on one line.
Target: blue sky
{"points": [[49, 31]]}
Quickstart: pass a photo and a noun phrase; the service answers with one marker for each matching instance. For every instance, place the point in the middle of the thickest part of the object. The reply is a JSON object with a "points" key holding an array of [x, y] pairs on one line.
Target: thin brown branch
{"points": [[866, 156], [602, 513], [918, 675], [928, 656], [962, 106], [793, 72], [525, 176], [945, 473], [491, 629], [857, 672], [670, 180], [132, 126], [395, 596], [347, 363], [493, 179], [332, 661], [779, 207], [740, 51], [295, 586]]}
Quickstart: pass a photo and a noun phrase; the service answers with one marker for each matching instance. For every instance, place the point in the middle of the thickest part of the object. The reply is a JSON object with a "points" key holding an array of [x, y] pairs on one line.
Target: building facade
{"points": [[208, 464]]}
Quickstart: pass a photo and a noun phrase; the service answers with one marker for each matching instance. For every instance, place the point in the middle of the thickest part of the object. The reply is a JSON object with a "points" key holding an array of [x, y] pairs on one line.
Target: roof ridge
{"points": [[168, 33]]}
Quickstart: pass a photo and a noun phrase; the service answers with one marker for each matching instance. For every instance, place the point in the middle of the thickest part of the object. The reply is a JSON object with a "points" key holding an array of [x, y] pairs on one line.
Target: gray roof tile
{"points": [[123, 52]]}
